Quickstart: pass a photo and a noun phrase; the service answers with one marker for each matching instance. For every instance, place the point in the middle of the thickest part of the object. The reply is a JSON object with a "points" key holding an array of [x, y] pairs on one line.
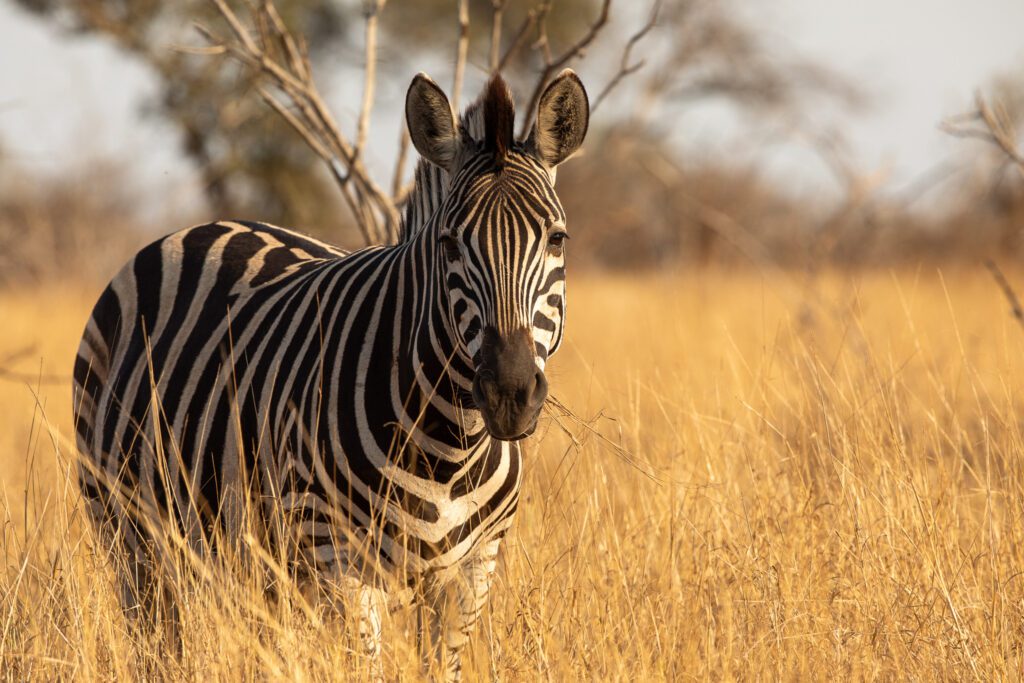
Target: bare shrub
{"points": [[76, 226]]}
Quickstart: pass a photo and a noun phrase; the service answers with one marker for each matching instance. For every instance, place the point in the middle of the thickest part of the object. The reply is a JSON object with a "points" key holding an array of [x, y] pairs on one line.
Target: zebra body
{"points": [[373, 398]]}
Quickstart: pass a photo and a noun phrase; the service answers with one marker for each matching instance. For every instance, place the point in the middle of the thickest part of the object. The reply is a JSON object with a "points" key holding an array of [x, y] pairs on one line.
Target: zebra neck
{"points": [[430, 186], [436, 386]]}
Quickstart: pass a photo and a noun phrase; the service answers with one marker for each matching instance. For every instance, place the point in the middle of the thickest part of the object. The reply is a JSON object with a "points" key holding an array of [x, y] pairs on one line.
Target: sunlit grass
{"points": [[775, 479]]}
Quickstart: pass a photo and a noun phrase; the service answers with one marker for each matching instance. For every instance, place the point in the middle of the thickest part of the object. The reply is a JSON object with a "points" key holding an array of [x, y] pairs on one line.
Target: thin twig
{"points": [[461, 51], [399, 173], [372, 10], [1015, 308], [236, 26], [496, 26], [996, 128], [553, 64], [625, 68], [212, 50], [336, 169], [518, 41], [33, 378], [304, 109], [297, 59], [27, 377], [556, 409], [297, 125]]}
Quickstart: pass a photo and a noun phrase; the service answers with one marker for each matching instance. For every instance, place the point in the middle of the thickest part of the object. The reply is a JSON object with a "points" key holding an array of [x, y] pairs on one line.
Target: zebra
{"points": [[377, 397]]}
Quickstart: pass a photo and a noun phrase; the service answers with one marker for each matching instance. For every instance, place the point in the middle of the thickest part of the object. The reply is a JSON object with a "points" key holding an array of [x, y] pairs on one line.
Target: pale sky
{"points": [[918, 60], [66, 100]]}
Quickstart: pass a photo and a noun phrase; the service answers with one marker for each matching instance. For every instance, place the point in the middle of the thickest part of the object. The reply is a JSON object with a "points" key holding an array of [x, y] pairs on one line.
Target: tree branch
{"points": [[372, 12], [304, 110], [554, 64], [1004, 284], [461, 51], [399, 173], [520, 39], [496, 26], [996, 129], [625, 67]]}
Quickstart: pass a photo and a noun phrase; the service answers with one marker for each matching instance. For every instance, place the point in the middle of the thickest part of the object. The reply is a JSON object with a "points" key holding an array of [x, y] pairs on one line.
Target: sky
{"points": [[65, 101], [919, 61]]}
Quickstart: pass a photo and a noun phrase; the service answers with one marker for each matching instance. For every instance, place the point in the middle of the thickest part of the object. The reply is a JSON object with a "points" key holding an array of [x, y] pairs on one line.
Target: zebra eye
{"points": [[451, 246], [557, 239]]}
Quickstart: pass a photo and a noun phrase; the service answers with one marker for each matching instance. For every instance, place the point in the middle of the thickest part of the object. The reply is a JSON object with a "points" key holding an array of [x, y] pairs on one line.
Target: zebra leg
{"points": [[451, 609], [123, 545], [365, 603], [147, 603], [146, 596], [369, 602]]}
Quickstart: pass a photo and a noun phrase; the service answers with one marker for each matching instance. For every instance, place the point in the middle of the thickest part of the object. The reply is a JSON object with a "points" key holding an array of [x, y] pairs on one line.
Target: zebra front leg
{"points": [[451, 609], [362, 604], [369, 602]]}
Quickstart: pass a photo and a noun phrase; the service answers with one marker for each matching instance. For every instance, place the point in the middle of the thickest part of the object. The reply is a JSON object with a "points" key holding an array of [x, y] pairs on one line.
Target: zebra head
{"points": [[500, 236]]}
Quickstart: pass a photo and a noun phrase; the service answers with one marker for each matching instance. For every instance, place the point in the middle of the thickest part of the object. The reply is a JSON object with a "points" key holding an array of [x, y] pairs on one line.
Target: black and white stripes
{"points": [[373, 398]]}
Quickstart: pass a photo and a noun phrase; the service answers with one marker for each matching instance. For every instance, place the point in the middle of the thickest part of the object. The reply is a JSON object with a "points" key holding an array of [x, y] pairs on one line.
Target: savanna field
{"points": [[763, 477]]}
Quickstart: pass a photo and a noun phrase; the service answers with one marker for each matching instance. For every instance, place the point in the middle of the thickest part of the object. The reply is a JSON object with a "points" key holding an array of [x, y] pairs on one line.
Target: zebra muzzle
{"points": [[509, 389]]}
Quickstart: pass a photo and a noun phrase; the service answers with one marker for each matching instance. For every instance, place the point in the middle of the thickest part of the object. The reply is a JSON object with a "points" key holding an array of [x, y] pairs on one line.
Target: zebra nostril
{"points": [[488, 385], [539, 390]]}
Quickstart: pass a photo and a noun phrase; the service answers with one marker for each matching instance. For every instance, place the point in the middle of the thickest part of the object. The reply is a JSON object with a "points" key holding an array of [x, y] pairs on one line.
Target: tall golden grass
{"points": [[772, 479]]}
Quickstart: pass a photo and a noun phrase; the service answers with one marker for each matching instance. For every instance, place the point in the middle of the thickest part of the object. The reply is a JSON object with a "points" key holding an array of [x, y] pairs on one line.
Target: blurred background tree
{"points": [[248, 167], [633, 178], [250, 163], [994, 193]]}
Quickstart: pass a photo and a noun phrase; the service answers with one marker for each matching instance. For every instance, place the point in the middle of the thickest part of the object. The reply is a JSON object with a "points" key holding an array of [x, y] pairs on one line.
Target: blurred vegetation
{"points": [[657, 211], [251, 164], [430, 25], [77, 226], [635, 201], [248, 167], [994, 193]]}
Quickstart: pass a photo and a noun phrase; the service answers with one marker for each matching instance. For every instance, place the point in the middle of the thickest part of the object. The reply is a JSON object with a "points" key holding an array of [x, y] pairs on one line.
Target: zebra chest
{"points": [[472, 505]]}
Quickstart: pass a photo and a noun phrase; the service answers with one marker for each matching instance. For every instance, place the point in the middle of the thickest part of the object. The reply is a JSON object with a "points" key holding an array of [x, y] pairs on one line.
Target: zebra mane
{"points": [[499, 118], [489, 119]]}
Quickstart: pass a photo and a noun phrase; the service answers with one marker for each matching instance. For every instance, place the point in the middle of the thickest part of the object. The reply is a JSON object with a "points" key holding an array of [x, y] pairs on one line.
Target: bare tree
{"points": [[283, 60], [991, 123], [674, 53], [279, 61], [995, 201], [718, 209], [244, 168]]}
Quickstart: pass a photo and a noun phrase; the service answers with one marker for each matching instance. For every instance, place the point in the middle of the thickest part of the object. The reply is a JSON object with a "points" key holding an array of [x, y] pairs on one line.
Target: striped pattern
{"points": [[236, 362]]}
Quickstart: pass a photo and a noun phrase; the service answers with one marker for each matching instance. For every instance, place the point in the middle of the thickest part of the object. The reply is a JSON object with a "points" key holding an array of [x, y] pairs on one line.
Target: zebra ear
{"points": [[431, 123], [563, 115]]}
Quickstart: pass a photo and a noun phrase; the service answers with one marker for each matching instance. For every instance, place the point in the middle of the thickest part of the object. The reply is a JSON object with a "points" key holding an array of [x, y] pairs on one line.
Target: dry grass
{"points": [[836, 491]]}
